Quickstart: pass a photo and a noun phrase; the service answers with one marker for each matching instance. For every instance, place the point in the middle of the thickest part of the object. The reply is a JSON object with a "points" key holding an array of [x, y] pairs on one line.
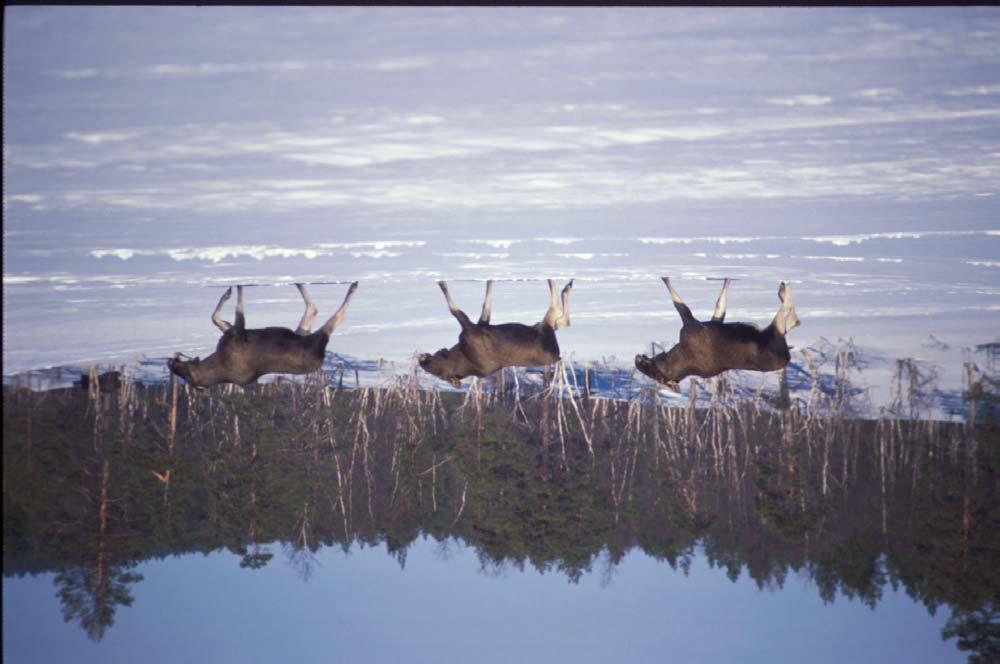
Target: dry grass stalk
{"points": [[576, 409], [461, 506], [172, 421], [93, 383]]}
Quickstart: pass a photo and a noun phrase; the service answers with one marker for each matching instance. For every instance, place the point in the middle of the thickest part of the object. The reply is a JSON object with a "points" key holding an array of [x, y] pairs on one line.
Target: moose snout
{"points": [[642, 362], [176, 366], [423, 357]]}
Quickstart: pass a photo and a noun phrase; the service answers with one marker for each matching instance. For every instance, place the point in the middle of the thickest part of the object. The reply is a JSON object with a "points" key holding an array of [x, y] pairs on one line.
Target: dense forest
{"points": [[100, 478]]}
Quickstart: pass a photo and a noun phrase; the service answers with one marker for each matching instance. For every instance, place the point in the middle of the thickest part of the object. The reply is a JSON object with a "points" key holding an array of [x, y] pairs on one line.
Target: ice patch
{"points": [[845, 240], [845, 259], [106, 137], [215, 254], [801, 100], [24, 198], [258, 252], [123, 254], [587, 256], [689, 240], [973, 90], [375, 254], [877, 93], [559, 240], [838, 240], [377, 245], [14, 279], [739, 256], [496, 244]]}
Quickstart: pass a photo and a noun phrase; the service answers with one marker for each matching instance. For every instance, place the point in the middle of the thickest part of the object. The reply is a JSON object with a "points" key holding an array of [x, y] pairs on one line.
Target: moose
{"points": [[707, 348], [483, 349], [244, 355]]}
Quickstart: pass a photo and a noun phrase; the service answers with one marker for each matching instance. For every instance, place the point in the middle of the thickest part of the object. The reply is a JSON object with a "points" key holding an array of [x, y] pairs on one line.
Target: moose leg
{"points": [[720, 304], [686, 316], [337, 317], [552, 313], [241, 321], [484, 318], [216, 318], [786, 319], [563, 320], [305, 325], [463, 320]]}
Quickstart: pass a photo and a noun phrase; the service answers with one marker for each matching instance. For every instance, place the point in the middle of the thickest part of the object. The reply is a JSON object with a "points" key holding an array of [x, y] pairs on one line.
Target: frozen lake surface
{"points": [[154, 158], [927, 294]]}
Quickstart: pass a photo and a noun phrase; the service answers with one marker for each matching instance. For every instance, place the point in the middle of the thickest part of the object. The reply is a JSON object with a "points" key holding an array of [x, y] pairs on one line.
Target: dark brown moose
{"points": [[707, 348], [483, 349], [244, 355]]}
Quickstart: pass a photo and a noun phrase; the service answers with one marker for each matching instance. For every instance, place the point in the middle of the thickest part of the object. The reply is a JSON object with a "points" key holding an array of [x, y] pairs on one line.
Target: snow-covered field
{"points": [[926, 295], [154, 157]]}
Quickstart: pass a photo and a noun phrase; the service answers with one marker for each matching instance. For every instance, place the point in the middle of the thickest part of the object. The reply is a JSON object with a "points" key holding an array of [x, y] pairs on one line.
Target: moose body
{"points": [[242, 358], [483, 349], [708, 348], [486, 349], [244, 355]]}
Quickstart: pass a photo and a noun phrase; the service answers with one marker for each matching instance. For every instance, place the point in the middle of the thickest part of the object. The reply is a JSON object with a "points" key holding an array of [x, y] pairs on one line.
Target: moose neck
{"points": [[675, 363], [458, 363]]}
